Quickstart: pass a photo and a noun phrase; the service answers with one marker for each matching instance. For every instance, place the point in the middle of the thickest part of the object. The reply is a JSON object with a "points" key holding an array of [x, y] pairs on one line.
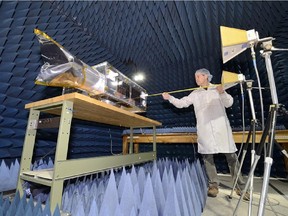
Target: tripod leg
{"points": [[242, 159], [268, 162], [257, 157], [284, 152], [252, 176]]}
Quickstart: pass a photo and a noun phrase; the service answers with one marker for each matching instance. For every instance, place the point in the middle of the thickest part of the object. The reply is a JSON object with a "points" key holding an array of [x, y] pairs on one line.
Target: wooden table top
{"points": [[91, 109]]}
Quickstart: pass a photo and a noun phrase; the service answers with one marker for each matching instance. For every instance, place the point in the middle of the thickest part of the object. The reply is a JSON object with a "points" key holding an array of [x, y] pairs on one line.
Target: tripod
{"points": [[269, 129], [281, 111], [252, 131]]}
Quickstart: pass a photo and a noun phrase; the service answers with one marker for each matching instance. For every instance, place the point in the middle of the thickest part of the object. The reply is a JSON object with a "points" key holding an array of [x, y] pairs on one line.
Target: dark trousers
{"points": [[211, 171]]}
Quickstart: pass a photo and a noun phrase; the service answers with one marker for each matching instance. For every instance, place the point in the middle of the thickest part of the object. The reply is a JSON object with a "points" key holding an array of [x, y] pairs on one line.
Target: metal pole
{"points": [[249, 89], [268, 159], [268, 163], [257, 155]]}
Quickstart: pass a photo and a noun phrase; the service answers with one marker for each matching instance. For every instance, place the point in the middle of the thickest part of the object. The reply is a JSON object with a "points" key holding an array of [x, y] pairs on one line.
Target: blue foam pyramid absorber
{"points": [[148, 200], [158, 188], [127, 203], [110, 199], [181, 197]]}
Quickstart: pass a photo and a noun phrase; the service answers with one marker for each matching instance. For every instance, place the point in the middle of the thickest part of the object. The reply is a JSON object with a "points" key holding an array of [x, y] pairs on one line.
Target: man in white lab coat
{"points": [[213, 128]]}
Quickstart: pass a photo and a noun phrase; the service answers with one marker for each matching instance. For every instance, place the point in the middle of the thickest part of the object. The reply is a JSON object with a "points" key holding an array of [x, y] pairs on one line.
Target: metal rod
{"points": [[247, 183], [183, 90], [252, 132], [268, 163], [270, 77], [253, 125], [257, 156]]}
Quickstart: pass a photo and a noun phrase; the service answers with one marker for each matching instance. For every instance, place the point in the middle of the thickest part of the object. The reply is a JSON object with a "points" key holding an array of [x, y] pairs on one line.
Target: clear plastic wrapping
{"points": [[102, 81], [62, 69], [120, 88]]}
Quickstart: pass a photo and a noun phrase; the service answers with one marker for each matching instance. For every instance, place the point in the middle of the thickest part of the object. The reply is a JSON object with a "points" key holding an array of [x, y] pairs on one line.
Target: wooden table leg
{"points": [[136, 147], [125, 145]]}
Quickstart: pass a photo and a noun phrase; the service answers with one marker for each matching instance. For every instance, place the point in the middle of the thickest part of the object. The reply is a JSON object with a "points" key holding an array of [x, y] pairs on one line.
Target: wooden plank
{"points": [[280, 135], [165, 138], [91, 109], [191, 138]]}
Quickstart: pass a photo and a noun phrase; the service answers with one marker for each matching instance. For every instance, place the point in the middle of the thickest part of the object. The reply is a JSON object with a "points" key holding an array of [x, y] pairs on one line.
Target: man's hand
{"points": [[165, 96], [220, 89]]}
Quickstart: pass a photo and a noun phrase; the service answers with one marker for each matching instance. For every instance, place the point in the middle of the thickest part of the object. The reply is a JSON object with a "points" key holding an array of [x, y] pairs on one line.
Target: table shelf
{"points": [[78, 106]]}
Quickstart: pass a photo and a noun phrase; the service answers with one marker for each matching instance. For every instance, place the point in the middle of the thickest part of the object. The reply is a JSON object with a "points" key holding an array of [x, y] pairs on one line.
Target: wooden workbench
{"points": [[281, 137], [82, 107]]}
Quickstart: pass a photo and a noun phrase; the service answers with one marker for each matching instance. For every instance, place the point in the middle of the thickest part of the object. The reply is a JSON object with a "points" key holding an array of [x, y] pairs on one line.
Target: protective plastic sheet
{"points": [[62, 69], [120, 88], [102, 81]]}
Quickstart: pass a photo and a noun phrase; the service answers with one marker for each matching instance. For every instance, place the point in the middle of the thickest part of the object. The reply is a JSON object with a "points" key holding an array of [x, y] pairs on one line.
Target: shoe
{"points": [[212, 191], [246, 197]]}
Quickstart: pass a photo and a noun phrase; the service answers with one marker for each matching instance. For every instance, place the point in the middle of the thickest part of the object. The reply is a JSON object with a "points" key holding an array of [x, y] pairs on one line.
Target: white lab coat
{"points": [[213, 128]]}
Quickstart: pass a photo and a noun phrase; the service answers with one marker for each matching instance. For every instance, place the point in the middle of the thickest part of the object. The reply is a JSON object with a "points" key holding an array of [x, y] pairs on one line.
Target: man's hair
{"points": [[205, 71]]}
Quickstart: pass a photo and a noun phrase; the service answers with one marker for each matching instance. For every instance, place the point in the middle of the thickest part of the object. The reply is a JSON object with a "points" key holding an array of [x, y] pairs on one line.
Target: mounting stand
{"points": [[269, 129], [252, 131]]}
